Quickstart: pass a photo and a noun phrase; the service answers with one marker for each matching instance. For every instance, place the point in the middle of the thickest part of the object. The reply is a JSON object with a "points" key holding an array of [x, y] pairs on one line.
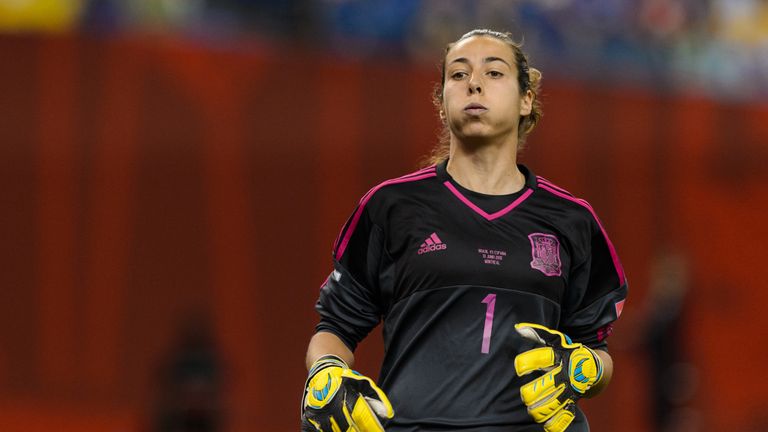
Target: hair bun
{"points": [[534, 76]]}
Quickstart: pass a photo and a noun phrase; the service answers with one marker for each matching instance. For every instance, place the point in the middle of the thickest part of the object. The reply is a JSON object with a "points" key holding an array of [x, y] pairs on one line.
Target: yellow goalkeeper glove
{"points": [[338, 399], [570, 370]]}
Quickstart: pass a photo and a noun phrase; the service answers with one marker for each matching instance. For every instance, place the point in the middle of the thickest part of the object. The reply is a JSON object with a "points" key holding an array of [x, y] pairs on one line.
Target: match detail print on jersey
{"points": [[492, 256]]}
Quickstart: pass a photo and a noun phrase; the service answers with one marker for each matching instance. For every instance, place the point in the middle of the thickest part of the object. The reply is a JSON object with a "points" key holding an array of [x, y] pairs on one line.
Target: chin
{"points": [[475, 140], [475, 133]]}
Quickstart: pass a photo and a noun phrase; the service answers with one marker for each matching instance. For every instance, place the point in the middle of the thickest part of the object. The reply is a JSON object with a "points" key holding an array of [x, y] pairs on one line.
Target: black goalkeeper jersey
{"points": [[450, 272]]}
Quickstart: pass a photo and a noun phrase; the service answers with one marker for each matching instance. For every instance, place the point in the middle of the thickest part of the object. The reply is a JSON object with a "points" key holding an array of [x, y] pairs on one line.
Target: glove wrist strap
{"points": [[326, 361]]}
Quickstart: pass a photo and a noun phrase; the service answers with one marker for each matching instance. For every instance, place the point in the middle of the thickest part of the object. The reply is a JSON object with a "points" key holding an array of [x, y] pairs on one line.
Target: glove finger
{"points": [[366, 387], [546, 407], [543, 335], [320, 422], [533, 360], [336, 428], [561, 420], [363, 418], [308, 425], [541, 388]]}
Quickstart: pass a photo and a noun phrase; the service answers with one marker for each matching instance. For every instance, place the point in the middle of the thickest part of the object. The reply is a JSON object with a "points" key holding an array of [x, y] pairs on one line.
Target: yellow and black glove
{"points": [[570, 370], [338, 399]]}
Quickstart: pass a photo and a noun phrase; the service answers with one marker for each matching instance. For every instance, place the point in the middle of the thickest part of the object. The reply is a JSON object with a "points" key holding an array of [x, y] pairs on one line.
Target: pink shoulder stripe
{"points": [[554, 186], [545, 182], [347, 234], [583, 203], [365, 197], [428, 169], [431, 168]]}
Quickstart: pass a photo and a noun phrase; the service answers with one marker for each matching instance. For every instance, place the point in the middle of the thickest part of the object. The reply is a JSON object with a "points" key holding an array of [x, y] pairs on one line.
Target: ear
{"points": [[526, 103]]}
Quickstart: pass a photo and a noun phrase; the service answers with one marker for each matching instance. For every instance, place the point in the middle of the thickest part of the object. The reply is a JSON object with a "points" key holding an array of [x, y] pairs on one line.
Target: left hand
{"points": [[337, 399], [571, 369]]}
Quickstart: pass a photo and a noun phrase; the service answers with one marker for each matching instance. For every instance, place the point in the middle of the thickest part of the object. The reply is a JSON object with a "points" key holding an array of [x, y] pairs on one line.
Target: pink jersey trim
{"points": [[407, 176], [581, 202], [545, 182], [365, 197], [419, 175], [552, 185], [482, 212], [619, 307]]}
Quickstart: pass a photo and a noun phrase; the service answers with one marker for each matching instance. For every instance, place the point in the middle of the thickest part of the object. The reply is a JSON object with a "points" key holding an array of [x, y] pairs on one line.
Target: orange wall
{"points": [[147, 181]]}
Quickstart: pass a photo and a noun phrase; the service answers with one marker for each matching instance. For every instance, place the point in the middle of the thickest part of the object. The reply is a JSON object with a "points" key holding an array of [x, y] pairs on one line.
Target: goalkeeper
{"points": [[497, 289]]}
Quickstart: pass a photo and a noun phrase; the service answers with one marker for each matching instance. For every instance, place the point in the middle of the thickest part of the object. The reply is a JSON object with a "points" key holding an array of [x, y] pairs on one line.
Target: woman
{"points": [[479, 270]]}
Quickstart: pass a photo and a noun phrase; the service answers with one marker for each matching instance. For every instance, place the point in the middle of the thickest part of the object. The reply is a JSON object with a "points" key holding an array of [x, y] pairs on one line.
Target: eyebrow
{"points": [[485, 60]]}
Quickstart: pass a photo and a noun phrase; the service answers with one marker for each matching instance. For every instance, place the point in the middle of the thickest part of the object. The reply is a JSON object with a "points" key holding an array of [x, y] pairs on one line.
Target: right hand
{"points": [[338, 399]]}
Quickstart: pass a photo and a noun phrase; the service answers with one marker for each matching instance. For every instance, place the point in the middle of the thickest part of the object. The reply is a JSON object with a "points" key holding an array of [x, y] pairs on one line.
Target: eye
{"points": [[495, 74], [458, 75]]}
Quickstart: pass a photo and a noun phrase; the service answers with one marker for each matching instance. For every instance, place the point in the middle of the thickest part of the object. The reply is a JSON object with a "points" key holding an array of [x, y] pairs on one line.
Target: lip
{"points": [[475, 109]]}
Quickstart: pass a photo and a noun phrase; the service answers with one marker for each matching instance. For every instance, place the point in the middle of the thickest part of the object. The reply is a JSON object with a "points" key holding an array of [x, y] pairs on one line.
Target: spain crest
{"points": [[545, 253]]}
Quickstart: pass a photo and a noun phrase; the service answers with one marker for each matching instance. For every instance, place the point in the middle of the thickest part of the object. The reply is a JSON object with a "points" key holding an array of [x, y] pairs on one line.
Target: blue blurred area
{"points": [[718, 48]]}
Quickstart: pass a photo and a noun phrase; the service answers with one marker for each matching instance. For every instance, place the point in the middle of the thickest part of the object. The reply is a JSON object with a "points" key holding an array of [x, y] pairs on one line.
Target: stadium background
{"points": [[174, 174]]}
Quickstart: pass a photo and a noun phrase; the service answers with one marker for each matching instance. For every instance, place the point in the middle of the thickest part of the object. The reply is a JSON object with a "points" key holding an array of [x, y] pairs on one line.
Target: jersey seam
{"points": [[595, 220], [623, 285], [562, 230], [385, 255], [364, 286], [345, 238], [478, 286]]}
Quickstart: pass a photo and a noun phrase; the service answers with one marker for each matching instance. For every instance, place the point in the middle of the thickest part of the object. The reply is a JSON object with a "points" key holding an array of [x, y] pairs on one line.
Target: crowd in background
{"points": [[713, 47]]}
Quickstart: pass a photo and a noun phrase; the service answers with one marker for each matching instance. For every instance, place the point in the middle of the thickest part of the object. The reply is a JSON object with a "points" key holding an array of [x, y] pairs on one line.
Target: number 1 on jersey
{"points": [[490, 305]]}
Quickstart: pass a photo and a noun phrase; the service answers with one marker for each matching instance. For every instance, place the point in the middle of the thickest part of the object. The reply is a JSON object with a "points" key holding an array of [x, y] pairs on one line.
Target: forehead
{"points": [[480, 47]]}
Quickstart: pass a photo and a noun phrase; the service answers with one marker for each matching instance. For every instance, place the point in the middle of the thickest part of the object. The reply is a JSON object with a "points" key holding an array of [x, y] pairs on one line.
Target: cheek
{"points": [[449, 103], [508, 105]]}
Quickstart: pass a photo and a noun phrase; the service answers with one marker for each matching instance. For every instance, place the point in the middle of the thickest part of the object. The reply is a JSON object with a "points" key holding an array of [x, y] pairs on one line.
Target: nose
{"points": [[475, 86]]}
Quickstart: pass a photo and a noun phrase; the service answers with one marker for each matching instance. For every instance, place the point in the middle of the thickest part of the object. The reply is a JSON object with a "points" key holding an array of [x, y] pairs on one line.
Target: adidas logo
{"points": [[431, 244]]}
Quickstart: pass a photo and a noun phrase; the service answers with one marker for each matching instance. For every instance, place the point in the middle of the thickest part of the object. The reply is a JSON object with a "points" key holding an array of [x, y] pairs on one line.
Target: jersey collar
{"points": [[448, 182]]}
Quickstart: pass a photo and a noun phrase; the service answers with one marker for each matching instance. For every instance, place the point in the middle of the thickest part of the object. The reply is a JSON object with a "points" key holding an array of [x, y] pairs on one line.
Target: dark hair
{"points": [[528, 78]]}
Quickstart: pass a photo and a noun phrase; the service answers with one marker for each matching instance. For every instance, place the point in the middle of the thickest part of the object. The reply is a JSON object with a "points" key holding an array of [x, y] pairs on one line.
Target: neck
{"points": [[488, 169]]}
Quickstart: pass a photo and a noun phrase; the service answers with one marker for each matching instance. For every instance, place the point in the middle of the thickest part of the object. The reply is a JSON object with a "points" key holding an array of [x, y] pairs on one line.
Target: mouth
{"points": [[475, 109]]}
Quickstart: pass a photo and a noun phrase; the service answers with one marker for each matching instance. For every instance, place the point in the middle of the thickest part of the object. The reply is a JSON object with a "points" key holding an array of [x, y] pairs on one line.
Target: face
{"points": [[481, 96]]}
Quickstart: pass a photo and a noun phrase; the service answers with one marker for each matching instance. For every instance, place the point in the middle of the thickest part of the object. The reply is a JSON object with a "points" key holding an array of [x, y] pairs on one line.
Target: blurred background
{"points": [[174, 173]]}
